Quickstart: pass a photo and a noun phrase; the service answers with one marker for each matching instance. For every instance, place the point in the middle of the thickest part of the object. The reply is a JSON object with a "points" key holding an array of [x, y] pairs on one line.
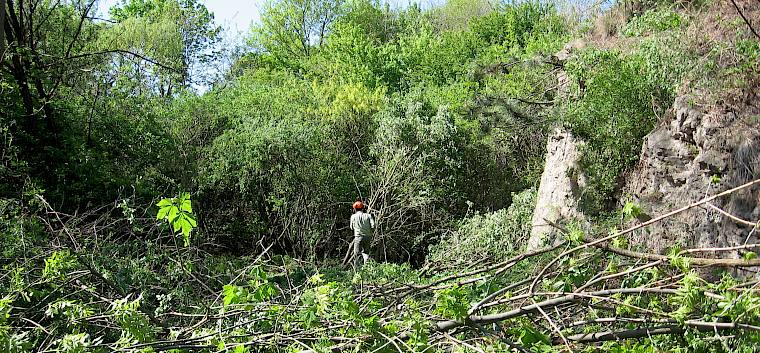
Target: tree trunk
{"points": [[2, 28]]}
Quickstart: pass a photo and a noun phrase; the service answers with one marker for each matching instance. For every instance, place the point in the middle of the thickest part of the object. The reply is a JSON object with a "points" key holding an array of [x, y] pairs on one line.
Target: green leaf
{"points": [[530, 336], [187, 206], [186, 228], [164, 203], [576, 235], [240, 349], [631, 210], [162, 213], [191, 219], [173, 214], [231, 294]]}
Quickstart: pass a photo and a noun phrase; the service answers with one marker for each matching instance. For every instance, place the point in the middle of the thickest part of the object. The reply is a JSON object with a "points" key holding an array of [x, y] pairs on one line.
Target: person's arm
{"points": [[372, 221], [351, 222]]}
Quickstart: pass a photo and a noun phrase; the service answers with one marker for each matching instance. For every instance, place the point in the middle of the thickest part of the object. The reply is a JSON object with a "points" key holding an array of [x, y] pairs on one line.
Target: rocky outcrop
{"points": [[560, 188], [698, 153], [562, 180]]}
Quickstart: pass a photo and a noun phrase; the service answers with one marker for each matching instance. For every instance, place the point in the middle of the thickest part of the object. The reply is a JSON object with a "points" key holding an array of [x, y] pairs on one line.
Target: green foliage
{"points": [[5, 309], [631, 211], [514, 25], [437, 118], [418, 162], [654, 20], [575, 234], [69, 310], [534, 339], [679, 261], [179, 34], [750, 51], [494, 236], [452, 303], [14, 343], [292, 30], [576, 273], [58, 264], [259, 289], [75, 343], [178, 212], [134, 323], [379, 272], [690, 297], [613, 113]]}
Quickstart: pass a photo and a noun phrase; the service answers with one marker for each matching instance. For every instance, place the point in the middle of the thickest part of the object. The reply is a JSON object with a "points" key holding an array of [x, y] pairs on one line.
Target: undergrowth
{"points": [[159, 297]]}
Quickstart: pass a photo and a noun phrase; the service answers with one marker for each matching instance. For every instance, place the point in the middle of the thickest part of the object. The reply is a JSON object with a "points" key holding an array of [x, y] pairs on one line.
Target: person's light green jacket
{"points": [[362, 224]]}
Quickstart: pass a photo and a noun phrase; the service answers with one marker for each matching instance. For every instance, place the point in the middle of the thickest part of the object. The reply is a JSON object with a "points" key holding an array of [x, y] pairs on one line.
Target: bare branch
{"points": [[115, 51], [745, 19]]}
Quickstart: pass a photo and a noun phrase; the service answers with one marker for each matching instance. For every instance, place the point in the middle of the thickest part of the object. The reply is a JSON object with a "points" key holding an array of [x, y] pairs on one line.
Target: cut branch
{"points": [[739, 10], [693, 260], [443, 326], [661, 330], [627, 334]]}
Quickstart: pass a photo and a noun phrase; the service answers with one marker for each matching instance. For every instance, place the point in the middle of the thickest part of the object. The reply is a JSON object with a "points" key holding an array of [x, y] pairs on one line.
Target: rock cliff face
{"points": [[697, 153], [560, 188], [698, 150]]}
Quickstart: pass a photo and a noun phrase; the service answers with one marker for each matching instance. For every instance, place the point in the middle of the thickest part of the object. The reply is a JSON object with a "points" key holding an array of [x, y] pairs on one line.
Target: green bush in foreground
{"points": [[489, 236]]}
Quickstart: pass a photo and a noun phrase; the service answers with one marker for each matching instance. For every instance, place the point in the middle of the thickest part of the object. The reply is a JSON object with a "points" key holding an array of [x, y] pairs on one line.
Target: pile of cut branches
{"points": [[73, 283]]}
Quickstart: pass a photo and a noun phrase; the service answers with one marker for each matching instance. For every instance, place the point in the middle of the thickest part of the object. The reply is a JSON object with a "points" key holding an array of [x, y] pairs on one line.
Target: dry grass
{"points": [[722, 73], [609, 23]]}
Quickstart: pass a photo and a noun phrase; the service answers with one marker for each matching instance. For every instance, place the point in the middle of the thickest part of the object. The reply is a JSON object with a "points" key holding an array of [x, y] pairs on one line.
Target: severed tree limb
{"points": [[745, 19], [693, 260], [443, 326], [78, 254], [661, 330], [736, 219], [660, 259], [507, 263], [627, 334]]}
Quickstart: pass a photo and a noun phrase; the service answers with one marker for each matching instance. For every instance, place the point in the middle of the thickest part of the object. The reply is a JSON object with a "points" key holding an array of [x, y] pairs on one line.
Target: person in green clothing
{"points": [[362, 224]]}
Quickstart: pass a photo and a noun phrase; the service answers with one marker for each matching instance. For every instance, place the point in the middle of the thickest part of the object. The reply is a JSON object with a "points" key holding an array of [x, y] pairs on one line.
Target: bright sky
{"points": [[237, 16]]}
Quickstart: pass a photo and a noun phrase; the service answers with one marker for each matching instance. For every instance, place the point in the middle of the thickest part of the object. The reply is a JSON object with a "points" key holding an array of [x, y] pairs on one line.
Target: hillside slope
{"points": [[704, 141]]}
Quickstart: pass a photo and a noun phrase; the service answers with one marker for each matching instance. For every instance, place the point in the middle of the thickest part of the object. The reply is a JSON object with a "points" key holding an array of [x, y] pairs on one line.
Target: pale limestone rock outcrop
{"points": [[560, 188], [562, 179], [697, 153]]}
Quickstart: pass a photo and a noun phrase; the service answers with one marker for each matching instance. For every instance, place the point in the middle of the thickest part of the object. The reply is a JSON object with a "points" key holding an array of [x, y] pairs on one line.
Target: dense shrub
{"points": [[490, 236], [283, 165], [655, 20], [613, 112], [617, 100]]}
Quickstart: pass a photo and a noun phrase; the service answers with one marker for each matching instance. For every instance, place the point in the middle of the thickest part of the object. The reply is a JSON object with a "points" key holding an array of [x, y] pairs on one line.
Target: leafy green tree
{"points": [[179, 35], [293, 30], [458, 14]]}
